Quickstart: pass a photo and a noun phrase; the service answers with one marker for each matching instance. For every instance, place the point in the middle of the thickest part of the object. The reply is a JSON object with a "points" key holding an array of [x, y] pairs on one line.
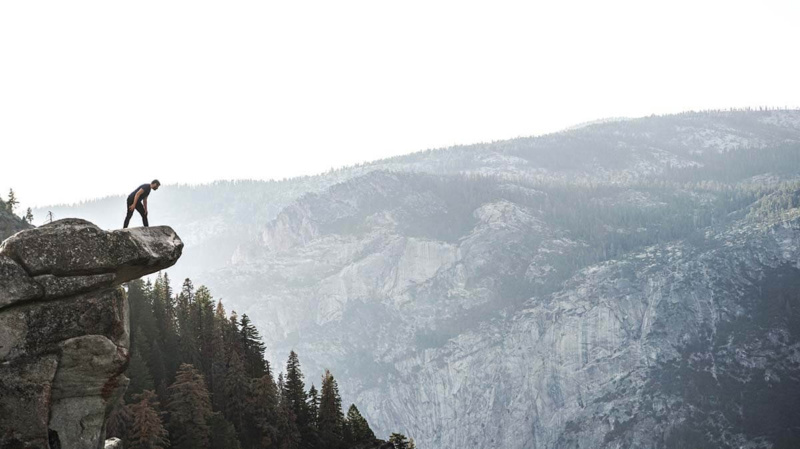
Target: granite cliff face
{"points": [[64, 327], [637, 289], [688, 344], [500, 332]]}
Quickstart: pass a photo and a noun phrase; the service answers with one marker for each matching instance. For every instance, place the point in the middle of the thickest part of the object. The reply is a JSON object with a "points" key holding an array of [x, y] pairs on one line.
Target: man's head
{"points": [[155, 184]]}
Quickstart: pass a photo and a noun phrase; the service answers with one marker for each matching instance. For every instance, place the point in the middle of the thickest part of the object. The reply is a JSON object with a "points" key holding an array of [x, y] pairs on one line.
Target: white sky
{"points": [[97, 97]]}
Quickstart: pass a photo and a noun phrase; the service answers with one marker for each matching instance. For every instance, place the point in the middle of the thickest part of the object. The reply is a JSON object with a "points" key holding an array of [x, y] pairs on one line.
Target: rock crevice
{"points": [[64, 327]]}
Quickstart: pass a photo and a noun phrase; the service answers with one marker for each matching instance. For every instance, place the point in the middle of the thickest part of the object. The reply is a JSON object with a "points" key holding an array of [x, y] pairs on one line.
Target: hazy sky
{"points": [[97, 97]]}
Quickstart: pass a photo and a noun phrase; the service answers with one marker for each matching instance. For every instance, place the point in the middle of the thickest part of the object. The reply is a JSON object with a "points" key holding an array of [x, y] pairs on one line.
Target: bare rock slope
{"points": [[64, 327]]}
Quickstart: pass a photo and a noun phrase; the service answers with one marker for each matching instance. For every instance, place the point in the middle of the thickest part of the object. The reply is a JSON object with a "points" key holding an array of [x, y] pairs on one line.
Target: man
{"points": [[138, 200]]}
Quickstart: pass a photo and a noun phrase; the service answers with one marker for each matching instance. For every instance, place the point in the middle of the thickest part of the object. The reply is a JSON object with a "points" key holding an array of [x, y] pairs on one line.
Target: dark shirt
{"points": [[145, 194]]}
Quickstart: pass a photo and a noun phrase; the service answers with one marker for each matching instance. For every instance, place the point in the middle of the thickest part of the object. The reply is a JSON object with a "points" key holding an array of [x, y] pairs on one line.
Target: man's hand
{"points": [[133, 206]]}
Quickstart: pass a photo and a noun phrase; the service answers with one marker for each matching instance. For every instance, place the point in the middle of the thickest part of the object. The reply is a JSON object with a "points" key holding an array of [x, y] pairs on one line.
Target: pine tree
{"points": [[164, 312], [262, 416], [331, 419], [157, 369], [190, 409], [11, 202], [223, 434], [187, 325], [296, 400], [313, 406], [311, 432], [358, 427], [289, 435], [236, 391], [295, 395], [219, 359], [347, 434], [120, 421], [231, 334], [138, 373], [204, 304], [253, 348], [28, 216], [399, 441], [141, 312], [145, 336], [147, 430]]}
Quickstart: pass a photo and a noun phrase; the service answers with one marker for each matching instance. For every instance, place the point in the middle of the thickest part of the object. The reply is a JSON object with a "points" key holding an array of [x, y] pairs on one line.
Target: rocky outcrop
{"points": [[64, 327]]}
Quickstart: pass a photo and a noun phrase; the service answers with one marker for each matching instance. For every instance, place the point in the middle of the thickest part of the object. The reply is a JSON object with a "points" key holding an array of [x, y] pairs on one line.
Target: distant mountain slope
{"points": [[218, 218], [10, 224], [624, 284], [443, 331]]}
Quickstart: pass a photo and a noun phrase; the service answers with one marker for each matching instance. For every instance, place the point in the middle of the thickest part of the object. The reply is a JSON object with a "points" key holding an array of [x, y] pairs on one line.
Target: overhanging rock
{"points": [[64, 327]]}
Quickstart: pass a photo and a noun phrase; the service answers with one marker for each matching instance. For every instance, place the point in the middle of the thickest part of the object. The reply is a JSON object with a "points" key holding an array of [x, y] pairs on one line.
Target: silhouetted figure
{"points": [[138, 200]]}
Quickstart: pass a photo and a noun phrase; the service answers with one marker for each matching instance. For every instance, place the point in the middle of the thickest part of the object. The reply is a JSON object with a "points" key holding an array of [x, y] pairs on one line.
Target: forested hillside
{"points": [[199, 379]]}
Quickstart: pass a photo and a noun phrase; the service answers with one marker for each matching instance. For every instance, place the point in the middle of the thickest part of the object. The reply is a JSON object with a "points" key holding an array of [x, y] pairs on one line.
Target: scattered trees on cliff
{"points": [[10, 205]]}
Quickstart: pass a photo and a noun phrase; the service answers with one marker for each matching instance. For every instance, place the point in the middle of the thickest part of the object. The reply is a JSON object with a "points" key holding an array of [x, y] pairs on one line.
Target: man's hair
{"points": [[157, 182]]}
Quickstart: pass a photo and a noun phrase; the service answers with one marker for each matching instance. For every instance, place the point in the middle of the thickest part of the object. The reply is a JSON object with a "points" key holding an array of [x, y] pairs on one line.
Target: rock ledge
{"points": [[64, 327]]}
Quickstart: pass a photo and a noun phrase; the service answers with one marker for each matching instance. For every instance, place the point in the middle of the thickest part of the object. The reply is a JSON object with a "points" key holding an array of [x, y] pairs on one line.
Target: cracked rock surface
{"points": [[64, 327]]}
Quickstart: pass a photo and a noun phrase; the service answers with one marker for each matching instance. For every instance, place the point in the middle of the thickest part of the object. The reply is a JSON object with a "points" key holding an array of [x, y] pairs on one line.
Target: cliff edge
{"points": [[64, 327]]}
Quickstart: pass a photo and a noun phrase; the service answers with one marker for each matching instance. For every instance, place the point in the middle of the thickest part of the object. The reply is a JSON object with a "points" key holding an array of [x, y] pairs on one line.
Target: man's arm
{"points": [[136, 199], [145, 205]]}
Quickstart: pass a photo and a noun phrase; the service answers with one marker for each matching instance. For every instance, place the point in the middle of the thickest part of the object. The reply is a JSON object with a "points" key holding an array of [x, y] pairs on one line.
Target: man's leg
{"points": [[140, 209], [128, 216]]}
